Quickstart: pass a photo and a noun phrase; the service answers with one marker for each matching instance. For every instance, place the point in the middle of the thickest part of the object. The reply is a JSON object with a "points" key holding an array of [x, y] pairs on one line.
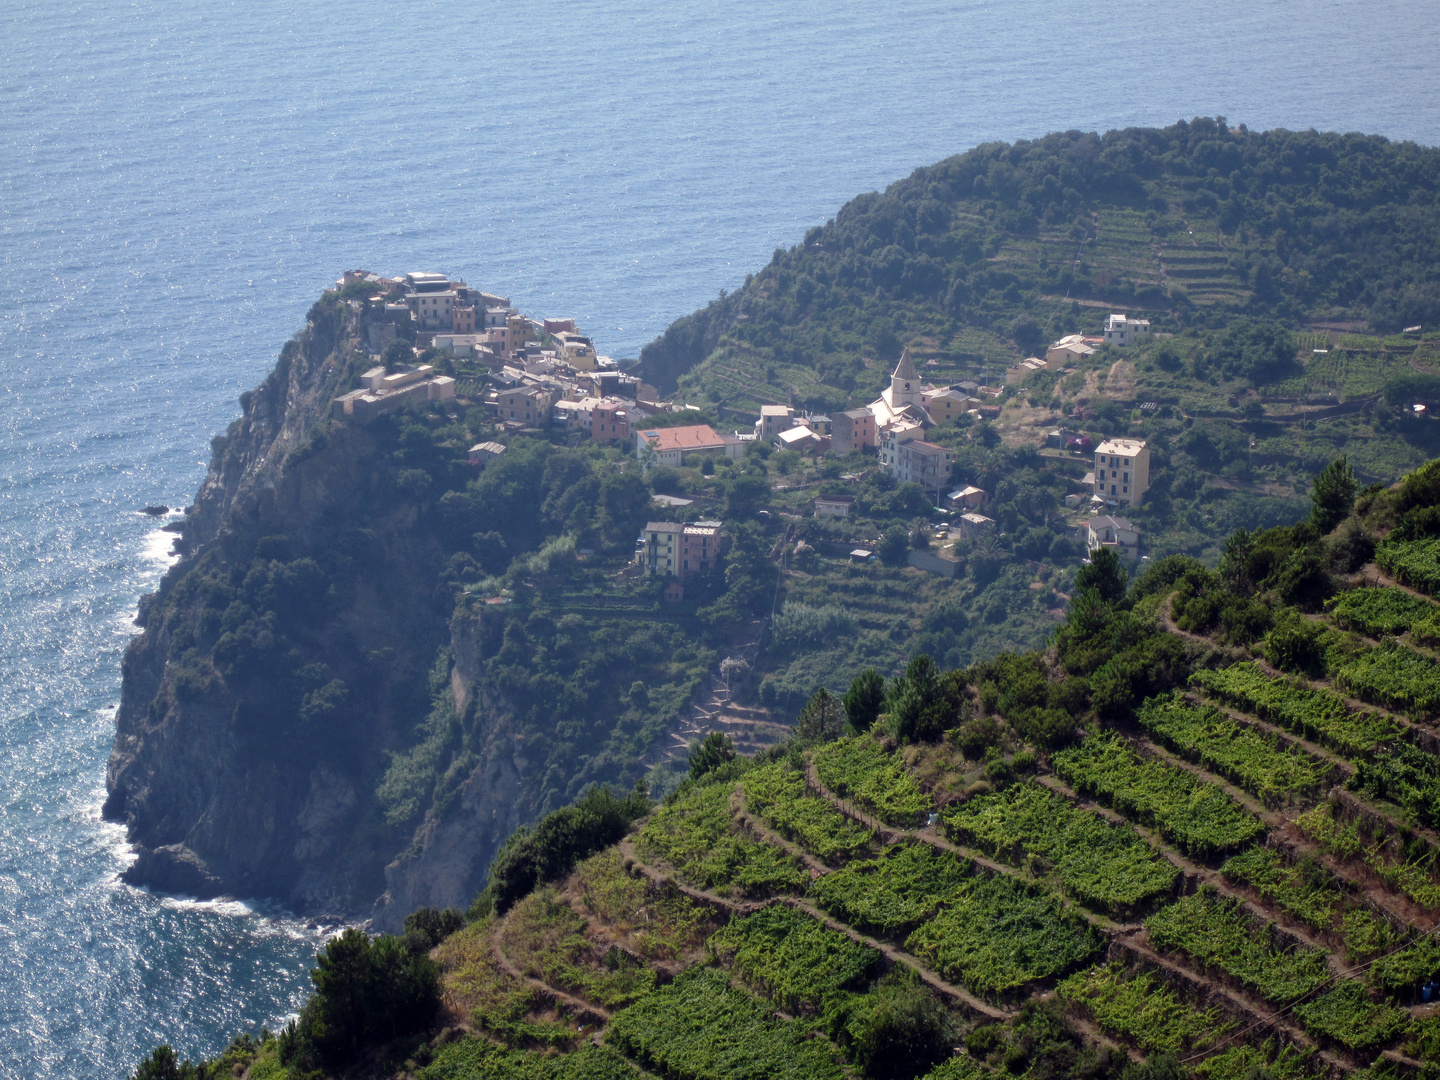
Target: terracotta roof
{"points": [[698, 437]]}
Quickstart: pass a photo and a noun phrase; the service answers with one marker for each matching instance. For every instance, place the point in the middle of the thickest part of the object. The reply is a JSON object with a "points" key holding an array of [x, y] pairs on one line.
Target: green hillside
{"points": [[1193, 837], [1078, 824], [984, 256]]}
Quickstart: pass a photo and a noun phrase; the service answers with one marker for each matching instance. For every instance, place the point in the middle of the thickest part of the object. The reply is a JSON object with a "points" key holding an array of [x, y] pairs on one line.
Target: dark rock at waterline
{"points": [[174, 869], [157, 510]]}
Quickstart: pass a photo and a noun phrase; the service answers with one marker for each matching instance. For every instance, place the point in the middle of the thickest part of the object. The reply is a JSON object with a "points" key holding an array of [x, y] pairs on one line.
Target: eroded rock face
{"points": [[450, 855], [248, 780]]}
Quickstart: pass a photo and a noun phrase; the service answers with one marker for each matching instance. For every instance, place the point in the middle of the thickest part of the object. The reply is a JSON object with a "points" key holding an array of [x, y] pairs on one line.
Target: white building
{"points": [[1121, 331], [972, 526], [481, 454], [433, 310], [381, 393], [907, 457], [773, 420], [1115, 533], [801, 439], [833, 505]]}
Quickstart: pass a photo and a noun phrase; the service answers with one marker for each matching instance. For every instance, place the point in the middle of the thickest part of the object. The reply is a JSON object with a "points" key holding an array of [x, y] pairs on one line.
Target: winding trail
{"points": [[752, 823], [595, 1013]]}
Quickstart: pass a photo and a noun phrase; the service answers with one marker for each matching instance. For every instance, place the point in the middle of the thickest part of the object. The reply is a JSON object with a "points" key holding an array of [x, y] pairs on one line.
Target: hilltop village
{"points": [[433, 336]]}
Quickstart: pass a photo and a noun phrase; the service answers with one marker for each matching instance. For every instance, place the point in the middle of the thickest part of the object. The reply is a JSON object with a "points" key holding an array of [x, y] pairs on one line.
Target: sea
{"points": [[180, 180]]}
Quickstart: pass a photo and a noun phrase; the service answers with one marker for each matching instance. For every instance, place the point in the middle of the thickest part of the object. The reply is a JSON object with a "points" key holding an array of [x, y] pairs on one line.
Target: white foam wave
{"points": [[157, 548], [222, 905]]}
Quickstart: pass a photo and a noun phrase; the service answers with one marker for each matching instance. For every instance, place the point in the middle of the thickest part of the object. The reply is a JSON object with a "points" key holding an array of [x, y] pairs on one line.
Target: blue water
{"points": [[179, 180]]}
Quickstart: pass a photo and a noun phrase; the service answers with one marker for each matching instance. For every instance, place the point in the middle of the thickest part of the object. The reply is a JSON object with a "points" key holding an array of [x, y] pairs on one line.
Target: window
{"points": [[1126, 478]]}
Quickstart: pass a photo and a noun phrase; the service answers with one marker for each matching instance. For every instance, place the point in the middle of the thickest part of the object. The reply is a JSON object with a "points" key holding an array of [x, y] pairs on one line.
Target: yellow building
{"points": [[1122, 471]]}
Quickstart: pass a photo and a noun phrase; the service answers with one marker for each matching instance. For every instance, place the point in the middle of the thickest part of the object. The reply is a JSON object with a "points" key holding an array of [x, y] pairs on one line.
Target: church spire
{"points": [[905, 383], [905, 369]]}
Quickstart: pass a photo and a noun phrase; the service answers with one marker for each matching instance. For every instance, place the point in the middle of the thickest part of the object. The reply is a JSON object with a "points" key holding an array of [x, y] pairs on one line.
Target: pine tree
{"points": [[822, 719], [1333, 495], [714, 751], [864, 700], [1104, 574]]}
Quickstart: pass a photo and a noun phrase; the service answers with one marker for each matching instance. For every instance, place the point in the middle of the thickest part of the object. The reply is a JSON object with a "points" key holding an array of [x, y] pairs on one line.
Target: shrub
{"points": [[893, 546], [713, 751], [1298, 645], [800, 625], [551, 849], [899, 1029], [163, 1064], [426, 927]]}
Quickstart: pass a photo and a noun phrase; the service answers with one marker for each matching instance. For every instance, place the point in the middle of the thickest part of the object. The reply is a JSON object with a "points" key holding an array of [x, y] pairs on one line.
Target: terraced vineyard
{"points": [[860, 770], [778, 794], [1312, 712], [1255, 761], [1237, 877], [1380, 612], [1096, 862], [1217, 932], [762, 957], [1198, 816], [1393, 676], [1414, 562]]}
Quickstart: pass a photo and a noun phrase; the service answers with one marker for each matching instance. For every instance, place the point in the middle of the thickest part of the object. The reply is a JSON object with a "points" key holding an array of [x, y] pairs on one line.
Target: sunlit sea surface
{"points": [[178, 181]]}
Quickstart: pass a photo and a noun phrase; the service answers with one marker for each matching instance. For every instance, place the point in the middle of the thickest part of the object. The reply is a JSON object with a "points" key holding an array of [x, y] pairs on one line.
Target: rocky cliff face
{"points": [[290, 653]]}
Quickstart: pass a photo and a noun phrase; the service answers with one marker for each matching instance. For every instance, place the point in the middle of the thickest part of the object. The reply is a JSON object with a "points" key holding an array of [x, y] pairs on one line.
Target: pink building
{"points": [[609, 422], [852, 430]]}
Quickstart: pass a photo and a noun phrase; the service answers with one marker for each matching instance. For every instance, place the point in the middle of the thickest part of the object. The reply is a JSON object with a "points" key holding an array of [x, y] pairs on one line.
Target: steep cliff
{"points": [[285, 657], [321, 711]]}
